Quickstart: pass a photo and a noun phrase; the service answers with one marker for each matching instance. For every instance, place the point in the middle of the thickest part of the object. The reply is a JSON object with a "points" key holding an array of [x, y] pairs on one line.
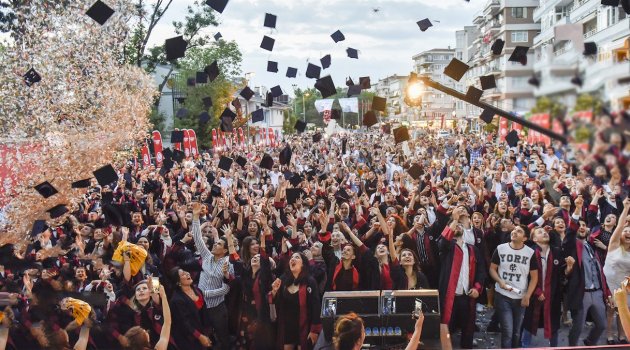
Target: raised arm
{"points": [[381, 220], [196, 230], [165, 333], [615, 240]]}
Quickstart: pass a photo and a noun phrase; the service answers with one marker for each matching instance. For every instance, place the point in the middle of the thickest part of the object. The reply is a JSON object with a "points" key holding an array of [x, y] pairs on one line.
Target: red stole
{"points": [[547, 293], [355, 276]]}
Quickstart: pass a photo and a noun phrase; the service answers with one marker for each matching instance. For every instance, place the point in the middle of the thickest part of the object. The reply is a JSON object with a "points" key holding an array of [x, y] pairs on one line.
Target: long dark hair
{"points": [[288, 278]]}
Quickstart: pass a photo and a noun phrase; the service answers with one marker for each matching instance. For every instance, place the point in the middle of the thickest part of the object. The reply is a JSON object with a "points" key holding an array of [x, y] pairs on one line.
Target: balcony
{"points": [[590, 33], [583, 8], [601, 73], [613, 32], [492, 8]]}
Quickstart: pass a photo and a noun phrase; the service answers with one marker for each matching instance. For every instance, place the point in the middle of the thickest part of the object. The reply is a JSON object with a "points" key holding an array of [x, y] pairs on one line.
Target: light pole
{"points": [[303, 106]]}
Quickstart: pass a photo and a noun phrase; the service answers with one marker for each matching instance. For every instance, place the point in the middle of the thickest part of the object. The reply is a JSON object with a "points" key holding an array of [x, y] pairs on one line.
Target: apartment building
{"points": [[435, 103], [464, 50], [606, 74], [392, 88]]}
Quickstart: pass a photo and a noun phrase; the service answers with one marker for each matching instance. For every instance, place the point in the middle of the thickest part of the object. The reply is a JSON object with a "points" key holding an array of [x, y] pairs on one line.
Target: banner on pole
{"points": [[157, 148]]}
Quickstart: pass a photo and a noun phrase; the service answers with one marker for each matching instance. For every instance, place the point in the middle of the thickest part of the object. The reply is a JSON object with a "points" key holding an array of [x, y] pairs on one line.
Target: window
{"points": [[520, 37], [519, 12]]}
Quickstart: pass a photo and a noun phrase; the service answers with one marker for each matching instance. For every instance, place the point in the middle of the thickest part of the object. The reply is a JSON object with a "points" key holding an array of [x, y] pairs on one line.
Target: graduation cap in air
{"points": [[456, 69], [39, 226], [217, 5], [201, 77], [266, 162], [247, 93], [497, 47], [181, 100], [272, 66], [295, 180], [378, 103], [534, 81], [100, 12], [369, 118], [228, 113], [204, 117], [614, 3], [415, 171], [326, 86], [344, 144], [46, 189], [258, 115], [182, 113], [175, 47], [226, 124], [241, 161], [31, 77], [177, 136], [487, 115], [338, 36], [313, 71], [487, 82], [473, 94], [365, 83], [167, 153], [210, 177], [267, 43], [577, 80], [212, 70], [317, 137], [401, 134], [424, 24], [326, 60], [218, 36], [276, 91], [354, 90], [590, 49], [293, 194], [352, 53], [300, 126], [85, 183], [215, 191], [285, 155], [291, 72], [225, 163], [269, 99], [335, 114], [512, 138], [207, 102], [349, 82], [57, 211], [270, 20], [105, 175], [236, 103], [626, 6], [178, 156], [519, 55]]}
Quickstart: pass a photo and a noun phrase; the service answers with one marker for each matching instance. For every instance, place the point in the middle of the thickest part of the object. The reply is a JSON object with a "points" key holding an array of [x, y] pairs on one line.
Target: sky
{"points": [[386, 40]]}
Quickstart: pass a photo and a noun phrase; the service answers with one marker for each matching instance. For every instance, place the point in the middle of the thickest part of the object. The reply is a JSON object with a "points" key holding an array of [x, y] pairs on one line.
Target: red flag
{"points": [[186, 143], [214, 138], [242, 136], [262, 135], [193, 143], [443, 121], [146, 156], [157, 148], [271, 137], [503, 129]]}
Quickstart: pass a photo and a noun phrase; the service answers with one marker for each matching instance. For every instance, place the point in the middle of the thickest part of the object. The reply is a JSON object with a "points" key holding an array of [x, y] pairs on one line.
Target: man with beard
{"points": [[544, 309], [461, 278]]}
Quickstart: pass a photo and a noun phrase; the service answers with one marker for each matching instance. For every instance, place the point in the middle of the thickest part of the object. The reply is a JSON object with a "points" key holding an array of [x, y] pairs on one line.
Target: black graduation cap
{"points": [[228, 113], [487, 82], [258, 115], [285, 155], [352, 53], [473, 93], [46, 189], [181, 100], [590, 49], [226, 124], [39, 226], [626, 6], [338, 36], [236, 103], [326, 86], [614, 3], [247, 93], [108, 197], [207, 102], [342, 195], [182, 113], [266, 162], [424, 24], [212, 70], [295, 180], [269, 99], [415, 171], [215, 191], [177, 136], [512, 138], [577, 81], [322, 177], [167, 153], [300, 126], [85, 183], [276, 91], [365, 83], [114, 214], [317, 137], [335, 114], [204, 117], [270, 20], [344, 144], [291, 72], [57, 211], [218, 36], [201, 77], [217, 5], [349, 82], [105, 175], [191, 81], [487, 115], [267, 43], [497, 47], [100, 12], [272, 66], [178, 156], [225, 163], [456, 69], [519, 55], [241, 161], [313, 71], [210, 177], [326, 60], [534, 81], [369, 118], [379, 103], [175, 48], [31, 77], [293, 194], [354, 90], [401, 134]]}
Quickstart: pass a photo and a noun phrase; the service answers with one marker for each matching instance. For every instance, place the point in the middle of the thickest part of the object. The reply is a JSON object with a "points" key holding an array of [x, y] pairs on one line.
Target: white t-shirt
{"points": [[514, 268]]}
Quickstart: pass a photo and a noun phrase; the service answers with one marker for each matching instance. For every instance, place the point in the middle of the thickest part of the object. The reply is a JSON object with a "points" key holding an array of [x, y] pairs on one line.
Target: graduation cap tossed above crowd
{"points": [[241, 161], [424, 24], [270, 20], [473, 94], [267, 43], [46, 189], [326, 86], [352, 53], [379, 103], [512, 138], [212, 70], [177, 136], [225, 163], [85, 183], [415, 171], [207, 102], [31, 77], [247, 93], [487, 115], [217, 5], [105, 175], [313, 71], [365, 83], [456, 69], [175, 48], [354, 90], [100, 12], [218, 36], [258, 115], [401, 134], [369, 118], [272, 66], [291, 72], [285, 155], [57, 211], [497, 47], [266, 162], [487, 82], [201, 77], [300, 126], [519, 55], [338, 36], [325, 61], [276, 91]]}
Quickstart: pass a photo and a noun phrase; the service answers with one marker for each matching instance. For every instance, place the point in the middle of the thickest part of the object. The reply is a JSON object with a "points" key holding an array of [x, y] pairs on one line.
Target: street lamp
{"points": [[303, 105]]}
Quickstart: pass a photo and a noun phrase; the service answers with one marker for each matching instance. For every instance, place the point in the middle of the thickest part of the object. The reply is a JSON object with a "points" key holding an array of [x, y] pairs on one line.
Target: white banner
{"points": [[324, 105], [349, 104]]}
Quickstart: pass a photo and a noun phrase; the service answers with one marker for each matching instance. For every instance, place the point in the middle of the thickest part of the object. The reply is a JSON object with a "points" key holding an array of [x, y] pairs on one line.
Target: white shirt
{"points": [[462, 282]]}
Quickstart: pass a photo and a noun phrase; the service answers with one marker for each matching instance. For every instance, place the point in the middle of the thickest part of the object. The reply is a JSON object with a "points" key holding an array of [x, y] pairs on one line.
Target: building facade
{"points": [[274, 115], [436, 104], [393, 88]]}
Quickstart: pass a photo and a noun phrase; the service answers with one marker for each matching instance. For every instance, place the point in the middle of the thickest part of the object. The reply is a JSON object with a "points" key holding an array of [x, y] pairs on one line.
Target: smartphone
{"points": [[155, 282]]}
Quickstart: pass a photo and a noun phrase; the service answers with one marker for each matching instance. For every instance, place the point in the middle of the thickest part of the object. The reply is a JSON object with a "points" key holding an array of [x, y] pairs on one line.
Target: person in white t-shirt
{"points": [[516, 274]]}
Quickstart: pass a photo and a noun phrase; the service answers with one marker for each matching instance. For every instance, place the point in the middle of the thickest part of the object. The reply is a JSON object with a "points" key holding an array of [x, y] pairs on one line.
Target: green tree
{"points": [[547, 105], [288, 125], [587, 102], [157, 120]]}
